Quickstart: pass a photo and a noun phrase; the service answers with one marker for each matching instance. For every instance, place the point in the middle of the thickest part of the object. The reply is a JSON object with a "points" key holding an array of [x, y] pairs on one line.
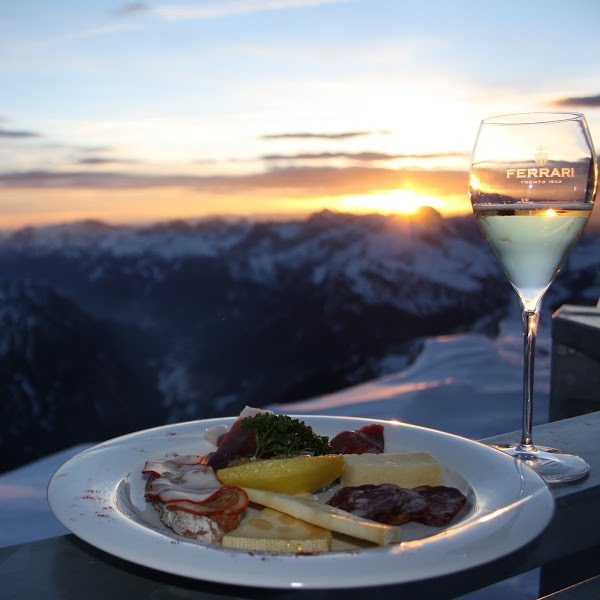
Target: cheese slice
{"points": [[326, 516], [274, 531], [405, 469]]}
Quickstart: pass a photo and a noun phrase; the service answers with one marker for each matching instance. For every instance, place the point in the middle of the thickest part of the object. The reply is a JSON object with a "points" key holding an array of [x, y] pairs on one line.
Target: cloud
{"points": [[344, 135], [100, 31], [101, 160], [132, 8], [83, 179], [360, 156], [229, 8], [360, 180], [94, 160], [589, 101], [94, 149], [305, 180], [18, 134]]}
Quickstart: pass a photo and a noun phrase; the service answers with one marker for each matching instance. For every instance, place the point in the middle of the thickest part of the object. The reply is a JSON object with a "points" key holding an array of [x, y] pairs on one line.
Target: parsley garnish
{"points": [[280, 436]]}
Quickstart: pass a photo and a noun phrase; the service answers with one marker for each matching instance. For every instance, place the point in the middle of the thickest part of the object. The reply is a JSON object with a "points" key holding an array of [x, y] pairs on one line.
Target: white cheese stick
{"points": [[326, 516]]}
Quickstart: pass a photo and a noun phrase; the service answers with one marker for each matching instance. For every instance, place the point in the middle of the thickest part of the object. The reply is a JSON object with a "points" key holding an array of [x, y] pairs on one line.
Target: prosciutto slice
{"points": [[366, 439], [226, 500], [236, 443], [187, 483]]}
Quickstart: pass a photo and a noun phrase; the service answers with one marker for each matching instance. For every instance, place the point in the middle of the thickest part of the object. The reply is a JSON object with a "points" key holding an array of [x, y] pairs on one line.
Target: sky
{"points": [[143, 111]]}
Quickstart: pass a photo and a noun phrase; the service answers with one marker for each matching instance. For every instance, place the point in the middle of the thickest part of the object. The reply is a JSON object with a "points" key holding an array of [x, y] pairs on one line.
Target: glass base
{"points": [[552, 465]]}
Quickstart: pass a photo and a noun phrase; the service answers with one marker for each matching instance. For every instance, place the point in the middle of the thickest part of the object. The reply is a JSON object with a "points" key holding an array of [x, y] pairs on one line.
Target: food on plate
{"points": [[263, 434], [279, 466], [191, 500], [280, 436], [326, 516], [286, 475], [274, 531], [390, 504], [443, 504], [366, 439], [405, 469], [235, 443]]}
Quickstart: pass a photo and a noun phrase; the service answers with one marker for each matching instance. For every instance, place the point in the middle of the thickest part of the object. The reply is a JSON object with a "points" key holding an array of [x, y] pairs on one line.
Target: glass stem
{"points": [[530, 326]]}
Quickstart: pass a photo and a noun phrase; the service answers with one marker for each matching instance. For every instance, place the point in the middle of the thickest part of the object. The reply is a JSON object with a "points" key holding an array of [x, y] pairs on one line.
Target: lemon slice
{"points": [[285, 475]]}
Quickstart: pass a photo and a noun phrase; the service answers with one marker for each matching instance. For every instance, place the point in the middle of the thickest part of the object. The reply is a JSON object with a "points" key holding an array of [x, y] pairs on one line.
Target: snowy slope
{"points": [[24, 512], [362, 250], [466, 384]]}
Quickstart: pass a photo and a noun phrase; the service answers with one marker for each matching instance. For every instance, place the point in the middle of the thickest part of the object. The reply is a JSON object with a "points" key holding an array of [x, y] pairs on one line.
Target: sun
{"points": [[396, 201]]}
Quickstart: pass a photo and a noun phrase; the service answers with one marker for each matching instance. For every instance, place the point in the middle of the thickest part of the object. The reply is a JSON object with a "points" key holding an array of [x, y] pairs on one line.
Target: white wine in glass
{"points": [[533, 182]]}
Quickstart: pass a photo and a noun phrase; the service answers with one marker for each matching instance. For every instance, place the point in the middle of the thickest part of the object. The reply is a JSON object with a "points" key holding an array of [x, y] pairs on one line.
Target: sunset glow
{"points": [[397, 201], [140, 112]]}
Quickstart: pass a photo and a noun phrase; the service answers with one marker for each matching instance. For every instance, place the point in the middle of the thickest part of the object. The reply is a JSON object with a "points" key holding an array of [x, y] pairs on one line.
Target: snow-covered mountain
{"points": [[467, 384], [112, 329], [65, 374]]}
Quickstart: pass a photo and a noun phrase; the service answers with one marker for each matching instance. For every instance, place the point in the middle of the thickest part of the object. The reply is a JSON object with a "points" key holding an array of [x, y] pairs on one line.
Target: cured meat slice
{"points": [[191, 500], [386, 503], [366, 439], [443, 503], [392, 505], [235, 443]]}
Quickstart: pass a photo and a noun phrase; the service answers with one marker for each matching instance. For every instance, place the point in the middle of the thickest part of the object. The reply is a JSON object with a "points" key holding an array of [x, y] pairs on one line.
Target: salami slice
{"points": [[386, 503], [443, 504], [392, 505]]}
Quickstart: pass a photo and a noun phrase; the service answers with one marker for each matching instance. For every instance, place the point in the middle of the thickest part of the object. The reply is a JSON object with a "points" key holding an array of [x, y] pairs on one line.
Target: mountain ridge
{"points": [[203, 318]]}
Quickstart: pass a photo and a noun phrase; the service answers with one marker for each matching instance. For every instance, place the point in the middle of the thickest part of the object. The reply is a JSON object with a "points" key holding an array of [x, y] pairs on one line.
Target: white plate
{"points": [[99, 496]]}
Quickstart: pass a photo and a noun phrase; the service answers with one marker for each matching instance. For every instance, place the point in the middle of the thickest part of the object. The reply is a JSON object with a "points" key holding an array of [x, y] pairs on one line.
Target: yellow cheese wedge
{"points": [[405, 469], [274, 531], [326, 516]]}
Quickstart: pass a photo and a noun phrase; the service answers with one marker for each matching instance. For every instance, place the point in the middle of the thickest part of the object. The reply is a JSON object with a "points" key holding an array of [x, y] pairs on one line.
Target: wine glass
{"points": [[532, 184]]}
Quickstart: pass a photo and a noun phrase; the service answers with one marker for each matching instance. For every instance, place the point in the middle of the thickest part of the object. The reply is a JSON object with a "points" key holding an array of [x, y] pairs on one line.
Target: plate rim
{"points": [[396, 564]]}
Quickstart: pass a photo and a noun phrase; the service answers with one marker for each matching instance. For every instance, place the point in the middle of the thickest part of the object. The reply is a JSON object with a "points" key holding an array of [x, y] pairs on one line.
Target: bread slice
{"points": [[274, 531], [405, 469], [208, 529], [198, 527]]}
